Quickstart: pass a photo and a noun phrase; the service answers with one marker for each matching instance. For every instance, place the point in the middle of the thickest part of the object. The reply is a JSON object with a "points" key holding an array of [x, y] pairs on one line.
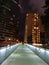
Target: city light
{"points": [[35, 14], [13, 15], [6, 7], [9, 38], [35, 20], [36, 44], [27, 14], [14, 1], [11, 19]]}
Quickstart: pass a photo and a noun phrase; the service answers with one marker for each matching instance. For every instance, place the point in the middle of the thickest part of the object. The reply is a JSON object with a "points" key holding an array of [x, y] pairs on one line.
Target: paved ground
{"points": [[23, 56]]}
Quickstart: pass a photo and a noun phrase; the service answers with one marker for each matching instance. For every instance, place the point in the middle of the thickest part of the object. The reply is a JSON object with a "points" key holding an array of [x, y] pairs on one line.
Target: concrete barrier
{"points": [[6, 51], [41, 52]]}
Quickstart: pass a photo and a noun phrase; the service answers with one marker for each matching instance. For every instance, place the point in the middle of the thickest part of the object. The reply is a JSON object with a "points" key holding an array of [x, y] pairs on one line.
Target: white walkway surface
{"points": [[23, 56]]}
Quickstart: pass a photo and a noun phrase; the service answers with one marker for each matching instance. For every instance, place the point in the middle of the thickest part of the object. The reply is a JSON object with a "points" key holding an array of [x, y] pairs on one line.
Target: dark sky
{"points": [[32, 5]]}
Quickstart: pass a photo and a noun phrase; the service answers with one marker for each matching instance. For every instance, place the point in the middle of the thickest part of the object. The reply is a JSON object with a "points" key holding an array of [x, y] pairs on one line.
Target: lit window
{"points": [[13, 15], [34, 27], [11, 18], [37, 17], [27, 14], [35, 14], [34, 19]]}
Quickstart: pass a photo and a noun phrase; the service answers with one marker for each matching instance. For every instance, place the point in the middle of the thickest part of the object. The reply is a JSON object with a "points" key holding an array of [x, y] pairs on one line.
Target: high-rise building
{"points": [[34, 27], [9, 19]]}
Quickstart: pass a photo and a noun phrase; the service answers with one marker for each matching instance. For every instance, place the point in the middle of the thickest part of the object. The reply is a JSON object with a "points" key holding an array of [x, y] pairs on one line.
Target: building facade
{"points": [[34, 27]]}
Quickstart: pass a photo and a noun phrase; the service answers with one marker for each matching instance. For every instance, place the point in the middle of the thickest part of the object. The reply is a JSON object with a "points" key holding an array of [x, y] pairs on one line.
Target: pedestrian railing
{"points": [[6, 51], [41, 52]]}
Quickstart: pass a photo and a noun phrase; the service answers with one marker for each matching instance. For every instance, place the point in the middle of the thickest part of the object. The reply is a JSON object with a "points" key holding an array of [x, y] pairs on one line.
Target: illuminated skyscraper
{"points": [[34, 27]]}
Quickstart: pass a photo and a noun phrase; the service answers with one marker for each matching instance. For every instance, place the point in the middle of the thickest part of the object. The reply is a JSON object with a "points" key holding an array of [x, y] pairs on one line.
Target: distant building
{"points": [[34, 27]]}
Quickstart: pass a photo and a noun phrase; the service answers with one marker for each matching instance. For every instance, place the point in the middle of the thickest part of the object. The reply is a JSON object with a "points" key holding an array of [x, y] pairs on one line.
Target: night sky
{"points": [[32, 5]]}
